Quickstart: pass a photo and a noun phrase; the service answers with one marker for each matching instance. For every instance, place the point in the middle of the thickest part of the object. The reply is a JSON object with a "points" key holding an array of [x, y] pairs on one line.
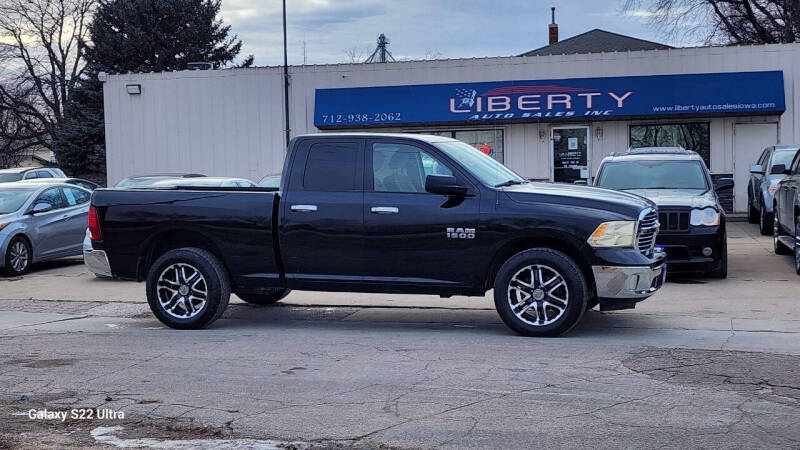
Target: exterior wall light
{"points": [[134, 89], [598, 133]]}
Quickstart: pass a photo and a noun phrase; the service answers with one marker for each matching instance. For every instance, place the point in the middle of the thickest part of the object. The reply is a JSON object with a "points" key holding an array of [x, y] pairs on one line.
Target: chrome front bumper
{"points": [[97, 262], [637, 282]]}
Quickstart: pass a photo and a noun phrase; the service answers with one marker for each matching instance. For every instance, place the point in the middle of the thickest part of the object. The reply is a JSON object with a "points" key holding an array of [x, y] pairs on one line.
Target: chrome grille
{"points": [[647, 230]]}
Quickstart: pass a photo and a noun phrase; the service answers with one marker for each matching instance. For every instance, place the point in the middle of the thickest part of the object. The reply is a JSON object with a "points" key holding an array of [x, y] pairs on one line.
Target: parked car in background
{"points": [[86, 184], [692, 220], [40, 222], [270, 182], [147, 180], [786, 228], [30, 173], [765, 175], [205, 182]]}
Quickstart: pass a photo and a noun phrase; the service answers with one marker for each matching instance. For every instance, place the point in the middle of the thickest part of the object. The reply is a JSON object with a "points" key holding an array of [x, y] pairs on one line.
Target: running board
{"points": [[787, 241]]}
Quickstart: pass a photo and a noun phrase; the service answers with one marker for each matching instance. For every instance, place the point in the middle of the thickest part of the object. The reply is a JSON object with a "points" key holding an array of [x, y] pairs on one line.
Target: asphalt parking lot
{"points": [[704, 363]]}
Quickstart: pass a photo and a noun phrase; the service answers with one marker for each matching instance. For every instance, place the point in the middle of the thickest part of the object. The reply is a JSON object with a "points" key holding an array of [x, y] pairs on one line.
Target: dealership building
{"points": [[551, 114]]}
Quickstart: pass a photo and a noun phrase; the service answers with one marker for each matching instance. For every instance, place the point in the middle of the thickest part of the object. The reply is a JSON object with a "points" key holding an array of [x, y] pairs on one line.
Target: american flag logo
{"points": [[466, 97]]}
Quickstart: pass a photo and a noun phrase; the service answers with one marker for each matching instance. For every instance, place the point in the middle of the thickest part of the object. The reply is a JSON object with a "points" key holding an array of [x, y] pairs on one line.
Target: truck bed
{"points": [[237, 222]]}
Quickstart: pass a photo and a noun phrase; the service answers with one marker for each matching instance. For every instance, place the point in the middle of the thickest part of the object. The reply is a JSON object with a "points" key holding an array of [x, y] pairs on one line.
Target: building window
{"points": [[487, 141], [691, 136]]}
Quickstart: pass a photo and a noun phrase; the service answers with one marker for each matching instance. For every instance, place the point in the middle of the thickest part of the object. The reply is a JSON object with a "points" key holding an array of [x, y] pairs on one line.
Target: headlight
{"points": [[613, 234], [708, 217], [773, 188]]}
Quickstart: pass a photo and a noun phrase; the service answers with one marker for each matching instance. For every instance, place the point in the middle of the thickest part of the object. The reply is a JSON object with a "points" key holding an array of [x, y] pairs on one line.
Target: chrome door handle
{"points": [[384, 210], [304, 208]]}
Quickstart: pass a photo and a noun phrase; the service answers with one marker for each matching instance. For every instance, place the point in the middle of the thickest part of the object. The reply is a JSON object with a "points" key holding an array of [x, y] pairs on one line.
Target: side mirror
{"points": [[757, 169], [41, 207], [444, 185], [778, 169], [724, 184], [581, 182]]}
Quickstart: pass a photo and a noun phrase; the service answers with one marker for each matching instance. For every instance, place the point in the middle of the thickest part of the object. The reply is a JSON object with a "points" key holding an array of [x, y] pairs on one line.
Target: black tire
{"points": [[797, 245], [551, 262], [765, 221], [722, 269], [215, 280], [752, 212], [265, 299], [777, 245], [18, 248]]}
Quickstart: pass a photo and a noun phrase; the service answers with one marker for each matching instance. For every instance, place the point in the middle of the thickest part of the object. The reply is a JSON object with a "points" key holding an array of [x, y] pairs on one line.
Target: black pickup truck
{"points": [[384, 213]]}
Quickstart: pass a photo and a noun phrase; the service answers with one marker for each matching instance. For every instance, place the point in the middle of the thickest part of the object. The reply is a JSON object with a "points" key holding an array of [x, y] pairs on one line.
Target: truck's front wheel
{"points": [[540, 292], [188, 288]]}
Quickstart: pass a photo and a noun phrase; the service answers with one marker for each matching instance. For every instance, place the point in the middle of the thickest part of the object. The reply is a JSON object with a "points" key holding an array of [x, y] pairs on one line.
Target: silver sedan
{"points": [[40, 223]]}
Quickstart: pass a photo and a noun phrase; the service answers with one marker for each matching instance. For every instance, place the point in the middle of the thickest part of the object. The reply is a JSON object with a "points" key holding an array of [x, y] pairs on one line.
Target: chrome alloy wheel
{"points": [[182, 291], [19, 256], [538, 295]]}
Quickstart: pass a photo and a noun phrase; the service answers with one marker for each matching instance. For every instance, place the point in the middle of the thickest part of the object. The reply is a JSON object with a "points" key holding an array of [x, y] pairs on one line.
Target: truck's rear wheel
{"points": [[540, 292], [188, 288], [265, 299]]}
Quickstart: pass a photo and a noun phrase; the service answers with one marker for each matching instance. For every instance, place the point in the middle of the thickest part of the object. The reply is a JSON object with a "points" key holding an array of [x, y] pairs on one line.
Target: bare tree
{"points": [[725, 21], [13, 150], [356, 54], [431, 55], [41, 57]]}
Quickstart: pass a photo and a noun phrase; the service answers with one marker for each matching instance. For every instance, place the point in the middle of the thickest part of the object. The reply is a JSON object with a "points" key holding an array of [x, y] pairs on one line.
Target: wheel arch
{"points": [[563, 244], [22, 235], [174, 238]]}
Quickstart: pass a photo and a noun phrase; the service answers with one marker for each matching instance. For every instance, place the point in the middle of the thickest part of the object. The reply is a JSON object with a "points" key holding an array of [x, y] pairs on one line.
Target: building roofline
{"points": [[664, 46], [345, 67]]}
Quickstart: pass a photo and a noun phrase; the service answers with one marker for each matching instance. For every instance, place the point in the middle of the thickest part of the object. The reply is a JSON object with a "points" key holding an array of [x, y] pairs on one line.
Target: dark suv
{"points": [[764, 178], [692, 220]]}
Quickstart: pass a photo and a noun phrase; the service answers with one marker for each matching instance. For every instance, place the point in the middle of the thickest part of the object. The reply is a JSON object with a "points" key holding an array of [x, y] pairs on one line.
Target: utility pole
{"points": [[286, 79]]}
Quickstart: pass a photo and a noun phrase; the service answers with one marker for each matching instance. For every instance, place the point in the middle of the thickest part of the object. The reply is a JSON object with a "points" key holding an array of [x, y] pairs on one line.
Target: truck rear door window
{"points": [[332, 167]]}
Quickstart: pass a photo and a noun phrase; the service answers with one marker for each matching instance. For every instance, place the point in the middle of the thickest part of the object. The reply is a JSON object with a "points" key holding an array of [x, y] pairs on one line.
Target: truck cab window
{"points": [[331, 167], [403, 168]]}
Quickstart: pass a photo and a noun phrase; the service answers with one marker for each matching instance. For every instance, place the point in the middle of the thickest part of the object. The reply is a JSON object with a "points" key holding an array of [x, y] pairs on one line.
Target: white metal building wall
{"points": [[230, 122]]}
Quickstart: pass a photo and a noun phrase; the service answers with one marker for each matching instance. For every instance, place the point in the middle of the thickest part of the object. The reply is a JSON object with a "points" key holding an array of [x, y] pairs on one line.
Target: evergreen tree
{"points": [[80, 145], [137, 36]]}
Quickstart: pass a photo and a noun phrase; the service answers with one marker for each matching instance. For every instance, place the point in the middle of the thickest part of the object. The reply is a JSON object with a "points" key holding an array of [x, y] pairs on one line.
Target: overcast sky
{"points": [[452, 28]]}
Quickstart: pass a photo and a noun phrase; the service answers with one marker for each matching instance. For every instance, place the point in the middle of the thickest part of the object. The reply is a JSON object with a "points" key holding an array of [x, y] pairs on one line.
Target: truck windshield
{"points": [[479, 164], [628, 175], [13, 199]]}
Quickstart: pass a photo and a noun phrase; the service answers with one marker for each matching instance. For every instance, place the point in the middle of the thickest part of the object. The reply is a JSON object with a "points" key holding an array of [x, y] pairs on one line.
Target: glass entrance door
{"points": [[570, 153]]}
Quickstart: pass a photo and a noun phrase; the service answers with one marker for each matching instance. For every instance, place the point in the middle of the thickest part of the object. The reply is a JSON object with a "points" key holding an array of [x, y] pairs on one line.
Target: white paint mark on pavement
{"points": [[105, 435]]}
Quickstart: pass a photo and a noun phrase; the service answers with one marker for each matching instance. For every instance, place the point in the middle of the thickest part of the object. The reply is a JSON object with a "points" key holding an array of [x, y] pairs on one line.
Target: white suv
{"points": [[30, 173]]}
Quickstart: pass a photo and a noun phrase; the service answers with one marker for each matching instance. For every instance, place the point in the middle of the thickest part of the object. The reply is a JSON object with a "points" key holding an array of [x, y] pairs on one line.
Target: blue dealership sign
{"points": [[707, 94]]}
